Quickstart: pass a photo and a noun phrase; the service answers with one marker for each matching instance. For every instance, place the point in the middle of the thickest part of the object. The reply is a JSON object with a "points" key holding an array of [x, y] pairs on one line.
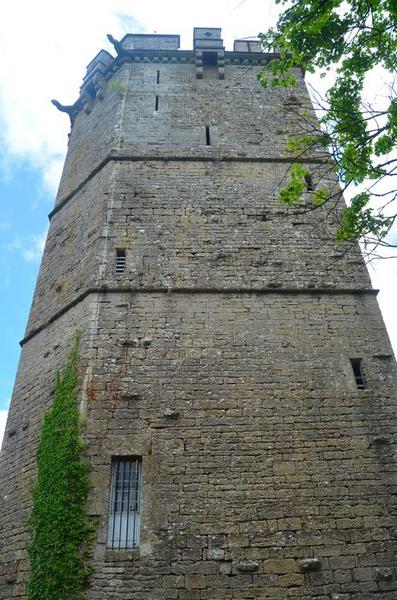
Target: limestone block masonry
{"points": [[220, 351]]}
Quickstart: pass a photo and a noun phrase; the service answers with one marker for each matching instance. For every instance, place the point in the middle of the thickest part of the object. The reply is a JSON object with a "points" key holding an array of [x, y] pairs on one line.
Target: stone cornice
{"points": [[185, 57]]}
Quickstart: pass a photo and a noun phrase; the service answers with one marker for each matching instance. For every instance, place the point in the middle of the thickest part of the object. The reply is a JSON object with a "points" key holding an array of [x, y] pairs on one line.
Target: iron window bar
{"points": [[120, 261], [124, 508]]}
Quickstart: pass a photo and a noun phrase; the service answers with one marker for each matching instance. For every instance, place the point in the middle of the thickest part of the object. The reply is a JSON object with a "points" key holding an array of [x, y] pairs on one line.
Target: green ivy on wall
{"points": [[61, 530]]}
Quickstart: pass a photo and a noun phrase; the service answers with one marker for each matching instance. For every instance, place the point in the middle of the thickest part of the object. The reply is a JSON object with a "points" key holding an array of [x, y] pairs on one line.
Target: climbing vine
{"points": [[60, 528]]}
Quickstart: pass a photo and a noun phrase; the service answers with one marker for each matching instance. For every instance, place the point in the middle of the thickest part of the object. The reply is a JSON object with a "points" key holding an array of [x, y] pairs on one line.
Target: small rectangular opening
{"points": [[210, 59], [358, 373], [158, 77], [156, 104], [120, 261], [207, 136], [309, 183]]}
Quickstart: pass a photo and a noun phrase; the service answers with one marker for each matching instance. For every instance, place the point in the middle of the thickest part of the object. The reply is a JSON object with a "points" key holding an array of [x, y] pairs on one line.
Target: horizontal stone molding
{"points": [[176, 158], [104, 289], [187, 57], [173, 56]]}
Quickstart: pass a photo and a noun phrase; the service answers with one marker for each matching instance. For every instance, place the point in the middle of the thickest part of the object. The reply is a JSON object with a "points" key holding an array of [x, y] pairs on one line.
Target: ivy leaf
{"points": [[60, 528]]}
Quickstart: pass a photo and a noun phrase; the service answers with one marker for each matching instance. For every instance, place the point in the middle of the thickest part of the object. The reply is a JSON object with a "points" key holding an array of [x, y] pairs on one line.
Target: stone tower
{"points": [[237, 379]]}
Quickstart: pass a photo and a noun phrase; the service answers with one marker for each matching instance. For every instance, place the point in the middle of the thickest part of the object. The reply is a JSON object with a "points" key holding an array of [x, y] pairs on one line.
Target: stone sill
{"points": [[121, 554]]}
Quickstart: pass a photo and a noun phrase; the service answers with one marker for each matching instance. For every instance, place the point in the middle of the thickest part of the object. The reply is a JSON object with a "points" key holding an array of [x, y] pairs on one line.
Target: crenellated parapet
{"points": [[148, 98], [208, 53]]}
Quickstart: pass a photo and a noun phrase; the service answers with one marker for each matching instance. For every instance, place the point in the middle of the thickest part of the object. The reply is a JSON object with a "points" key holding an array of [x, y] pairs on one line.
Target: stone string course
{"points": [[266, 473]]}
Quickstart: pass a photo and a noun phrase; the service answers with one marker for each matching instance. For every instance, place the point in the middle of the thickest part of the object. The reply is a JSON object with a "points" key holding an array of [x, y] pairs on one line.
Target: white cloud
{"points": [[30, 246], [47, 51], [35, 252], [46, 54], [3, 419], [384, 277]]}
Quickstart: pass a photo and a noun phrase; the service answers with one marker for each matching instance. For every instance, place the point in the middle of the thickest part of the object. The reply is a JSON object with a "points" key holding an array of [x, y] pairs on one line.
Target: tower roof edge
{"points": [[150, 41]]}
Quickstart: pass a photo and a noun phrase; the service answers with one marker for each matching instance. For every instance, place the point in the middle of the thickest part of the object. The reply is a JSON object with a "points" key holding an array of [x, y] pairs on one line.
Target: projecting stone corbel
{"points": [[99, 84], [117, 45], [95, 88], [221, 64], [71, 109], [198, 59], [88, 101]]}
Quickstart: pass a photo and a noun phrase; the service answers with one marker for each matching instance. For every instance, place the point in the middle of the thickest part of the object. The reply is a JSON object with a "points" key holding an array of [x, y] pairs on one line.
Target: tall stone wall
{"points": [[258, 450], [221, 356]]}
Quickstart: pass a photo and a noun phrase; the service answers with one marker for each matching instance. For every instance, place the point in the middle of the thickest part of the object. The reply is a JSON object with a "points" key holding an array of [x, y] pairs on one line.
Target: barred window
{"points": [[124, 509], [120, 261]]}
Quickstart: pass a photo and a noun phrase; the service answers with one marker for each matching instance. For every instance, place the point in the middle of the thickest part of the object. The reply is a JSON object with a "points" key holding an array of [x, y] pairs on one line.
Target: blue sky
{"points": [[47, 52], [24, 207]]}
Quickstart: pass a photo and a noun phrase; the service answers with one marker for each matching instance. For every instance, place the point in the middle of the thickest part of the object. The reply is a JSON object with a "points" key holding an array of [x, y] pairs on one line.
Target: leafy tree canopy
{"points": [[354, 38]]}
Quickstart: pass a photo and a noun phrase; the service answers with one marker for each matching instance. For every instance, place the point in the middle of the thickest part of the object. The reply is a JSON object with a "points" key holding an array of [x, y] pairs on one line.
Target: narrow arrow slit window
{"points": [[124, 510], [309, 183], [207, 136], [358, 373]]}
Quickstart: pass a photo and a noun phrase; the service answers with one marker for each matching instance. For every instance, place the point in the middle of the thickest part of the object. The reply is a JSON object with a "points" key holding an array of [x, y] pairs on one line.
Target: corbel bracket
{"points": [[71, 109]]}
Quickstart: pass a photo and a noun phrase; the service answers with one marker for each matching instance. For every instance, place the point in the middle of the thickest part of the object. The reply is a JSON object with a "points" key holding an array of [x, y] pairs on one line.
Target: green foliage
{"points": [[292, 192], [358, 221], [60, 528], [354, 37], [118, 87], [320, 196]]}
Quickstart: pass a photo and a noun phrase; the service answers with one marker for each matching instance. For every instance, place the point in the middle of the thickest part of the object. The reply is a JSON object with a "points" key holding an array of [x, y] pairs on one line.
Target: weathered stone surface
{"points": [[309, 564], [215, 553], [279, 566], [220, 356], [383, 574], [248, 566]]}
